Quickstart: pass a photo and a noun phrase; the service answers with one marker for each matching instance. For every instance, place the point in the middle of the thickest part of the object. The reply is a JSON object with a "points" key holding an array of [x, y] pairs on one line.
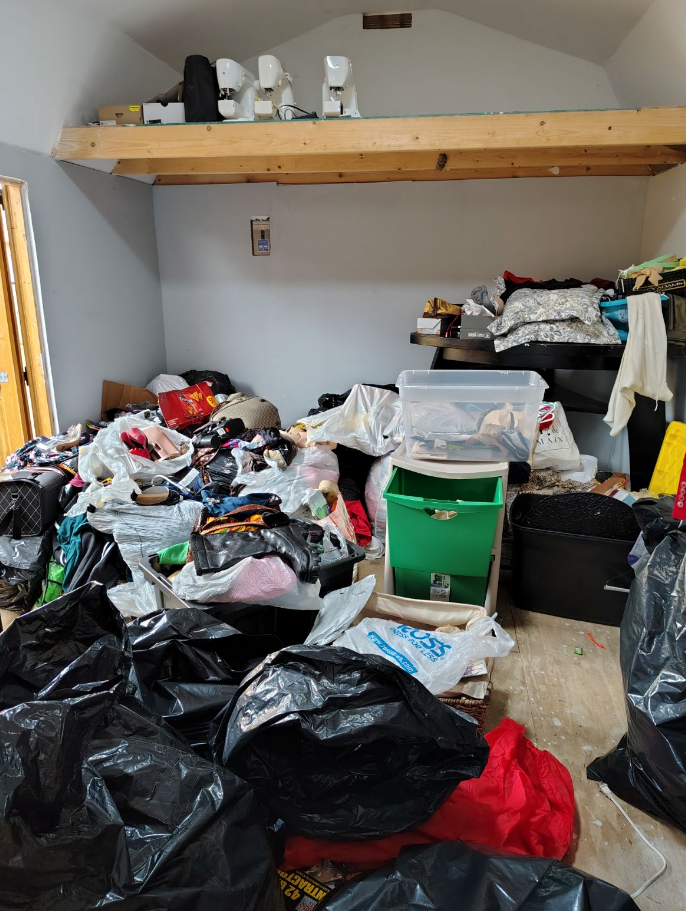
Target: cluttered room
{"points": [[343, 457]]}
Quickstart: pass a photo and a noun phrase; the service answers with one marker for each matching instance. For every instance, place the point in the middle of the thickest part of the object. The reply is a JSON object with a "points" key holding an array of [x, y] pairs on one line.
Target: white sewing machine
{"points": [[339, 95], [237, 90], [276, 90]]}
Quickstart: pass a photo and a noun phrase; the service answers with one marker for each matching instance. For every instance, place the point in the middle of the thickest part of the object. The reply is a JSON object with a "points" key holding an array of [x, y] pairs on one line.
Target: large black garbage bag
{"points": [[451, 876], [101, 803], [648, 767], [655, 519], [344, 746], [189, 665], [75, 645]]}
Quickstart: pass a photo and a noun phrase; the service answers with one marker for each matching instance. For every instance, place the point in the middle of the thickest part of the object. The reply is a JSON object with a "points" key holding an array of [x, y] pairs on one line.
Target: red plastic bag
{"points": [[185, 407], [523, 803]]}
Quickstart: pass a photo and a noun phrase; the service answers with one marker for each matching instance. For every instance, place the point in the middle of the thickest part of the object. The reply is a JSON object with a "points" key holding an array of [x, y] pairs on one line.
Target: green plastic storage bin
{"points": [[410, 583], [459, 546]]}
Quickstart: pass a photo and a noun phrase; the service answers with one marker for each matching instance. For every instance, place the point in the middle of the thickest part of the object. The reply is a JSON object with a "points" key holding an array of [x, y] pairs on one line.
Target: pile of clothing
{"points": [[205, 486], [552, 311]]}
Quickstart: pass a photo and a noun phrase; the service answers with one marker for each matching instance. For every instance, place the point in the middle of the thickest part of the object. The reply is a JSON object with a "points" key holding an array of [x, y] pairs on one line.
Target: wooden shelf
{"points": [[447, 147]]}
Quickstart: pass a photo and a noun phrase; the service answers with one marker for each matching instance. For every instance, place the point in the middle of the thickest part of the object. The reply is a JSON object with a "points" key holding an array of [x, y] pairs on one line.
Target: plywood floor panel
{"points": [[573, 706]]}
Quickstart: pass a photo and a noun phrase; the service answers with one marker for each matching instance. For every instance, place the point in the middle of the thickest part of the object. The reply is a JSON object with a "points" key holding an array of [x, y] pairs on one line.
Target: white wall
{"points": [[649, 67], [99, 278], [443, 64], [95, 241], [352, 266], [58, 64]]}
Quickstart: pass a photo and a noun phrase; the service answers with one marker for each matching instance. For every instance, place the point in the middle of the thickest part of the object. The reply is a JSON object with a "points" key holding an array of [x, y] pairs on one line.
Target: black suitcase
{"points": [[29, 500], [200, 90]]}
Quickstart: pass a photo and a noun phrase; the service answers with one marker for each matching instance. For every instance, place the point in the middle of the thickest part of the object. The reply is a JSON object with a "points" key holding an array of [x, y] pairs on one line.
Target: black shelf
{"points": [[541, 355]]}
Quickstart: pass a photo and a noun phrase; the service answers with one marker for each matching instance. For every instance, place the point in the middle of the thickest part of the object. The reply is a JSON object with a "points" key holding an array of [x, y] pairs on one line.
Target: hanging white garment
{"points": [[643, 369]]}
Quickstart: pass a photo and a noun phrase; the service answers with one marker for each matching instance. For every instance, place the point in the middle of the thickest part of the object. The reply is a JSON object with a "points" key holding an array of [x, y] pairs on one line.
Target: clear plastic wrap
{"points": [[438, 660], [378, 478], [107, 456], [338, 610], [22, 553], [265, 581], [295, 484], [370, 420], [141, 531]]}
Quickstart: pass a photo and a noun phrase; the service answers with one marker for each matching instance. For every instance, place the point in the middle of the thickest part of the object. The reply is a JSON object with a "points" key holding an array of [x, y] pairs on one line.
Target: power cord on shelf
{"points": [[304, 115], [608, 793]]}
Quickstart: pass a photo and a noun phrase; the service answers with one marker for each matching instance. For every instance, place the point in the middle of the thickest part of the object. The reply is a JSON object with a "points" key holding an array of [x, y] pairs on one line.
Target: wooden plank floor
{"points": [[574, 708]]}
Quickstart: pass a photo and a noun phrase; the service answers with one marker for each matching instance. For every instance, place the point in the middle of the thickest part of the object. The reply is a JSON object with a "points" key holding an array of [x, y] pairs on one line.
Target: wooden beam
{"points": [[439, 134], [399, 161], [637, 170]]}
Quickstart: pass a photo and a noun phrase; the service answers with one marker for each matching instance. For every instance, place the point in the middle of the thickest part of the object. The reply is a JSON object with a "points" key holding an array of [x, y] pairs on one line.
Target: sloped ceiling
{"points": [[172, 29]]}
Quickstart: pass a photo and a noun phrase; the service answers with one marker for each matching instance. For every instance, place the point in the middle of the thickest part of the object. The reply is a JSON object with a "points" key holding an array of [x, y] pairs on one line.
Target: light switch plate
{"points": [[261, 240], [4, 378]]}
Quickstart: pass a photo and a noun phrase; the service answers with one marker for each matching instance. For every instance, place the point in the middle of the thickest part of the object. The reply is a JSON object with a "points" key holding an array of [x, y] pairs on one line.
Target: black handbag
{"points": [[29, 500]]}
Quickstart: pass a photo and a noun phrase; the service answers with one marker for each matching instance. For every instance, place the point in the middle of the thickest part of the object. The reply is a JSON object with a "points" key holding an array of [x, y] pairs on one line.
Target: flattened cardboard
{"points": [[119, 395]]}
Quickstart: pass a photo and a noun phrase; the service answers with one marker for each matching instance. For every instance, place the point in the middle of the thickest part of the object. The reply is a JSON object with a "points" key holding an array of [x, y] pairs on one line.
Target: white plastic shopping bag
{"points": [[438, 660]]}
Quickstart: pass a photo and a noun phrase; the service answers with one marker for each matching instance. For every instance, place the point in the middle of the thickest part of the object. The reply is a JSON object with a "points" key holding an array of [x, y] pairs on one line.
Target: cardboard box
{"points": [[121, 113], [475, 326], [119, 395], [428, 326], [154, 112]]}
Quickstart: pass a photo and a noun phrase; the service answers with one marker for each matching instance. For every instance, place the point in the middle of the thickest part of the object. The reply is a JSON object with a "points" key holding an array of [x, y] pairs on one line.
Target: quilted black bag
{"points": [[29, 500]]}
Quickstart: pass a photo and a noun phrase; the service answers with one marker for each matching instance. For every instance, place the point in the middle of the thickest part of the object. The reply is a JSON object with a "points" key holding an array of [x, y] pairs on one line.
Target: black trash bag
{"points": [[344, 746], [648, 766], [221, 384], [452, 876], [655, 520], [102, 803], [74, 646], [189, 665]]}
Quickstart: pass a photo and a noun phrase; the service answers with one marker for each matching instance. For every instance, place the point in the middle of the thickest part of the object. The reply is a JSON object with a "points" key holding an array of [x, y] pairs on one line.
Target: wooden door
{"points": [[25, 407], [15, 426]]}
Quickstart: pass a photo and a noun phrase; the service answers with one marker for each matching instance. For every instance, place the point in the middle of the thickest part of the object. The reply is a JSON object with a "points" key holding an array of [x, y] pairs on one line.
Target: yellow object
{"points": [[667, 470]]}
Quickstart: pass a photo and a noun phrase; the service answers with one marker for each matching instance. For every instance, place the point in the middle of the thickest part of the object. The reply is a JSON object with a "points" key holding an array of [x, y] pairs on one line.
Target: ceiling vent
{"points": [[387, 20]]}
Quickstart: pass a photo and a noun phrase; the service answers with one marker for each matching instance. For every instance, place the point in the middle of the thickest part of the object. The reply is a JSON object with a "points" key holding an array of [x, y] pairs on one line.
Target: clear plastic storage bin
{"points": [[471, 415]]}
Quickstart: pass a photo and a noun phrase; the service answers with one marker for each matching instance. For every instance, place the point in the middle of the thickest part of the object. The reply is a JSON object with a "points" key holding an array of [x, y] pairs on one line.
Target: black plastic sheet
{"points": [[189, 665], [101, 803], [343, 746], [655, 519], [648, 766], [454, 877]]}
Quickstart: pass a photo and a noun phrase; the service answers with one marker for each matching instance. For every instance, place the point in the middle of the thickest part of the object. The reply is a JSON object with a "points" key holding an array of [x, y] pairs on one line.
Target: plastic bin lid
{"points": [[505, 380]]}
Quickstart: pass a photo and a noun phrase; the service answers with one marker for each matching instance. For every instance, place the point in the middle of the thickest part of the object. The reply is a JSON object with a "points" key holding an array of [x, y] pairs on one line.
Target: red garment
{"points": [[523, 803], [516, 279], [360, 522]]}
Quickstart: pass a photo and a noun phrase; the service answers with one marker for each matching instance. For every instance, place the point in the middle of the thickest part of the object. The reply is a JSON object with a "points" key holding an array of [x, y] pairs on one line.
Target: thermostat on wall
{"points": [[261, 242]]}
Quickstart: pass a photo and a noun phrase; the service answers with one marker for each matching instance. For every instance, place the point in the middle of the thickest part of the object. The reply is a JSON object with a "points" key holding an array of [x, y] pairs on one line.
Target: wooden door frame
{"points": [[29, 304]]}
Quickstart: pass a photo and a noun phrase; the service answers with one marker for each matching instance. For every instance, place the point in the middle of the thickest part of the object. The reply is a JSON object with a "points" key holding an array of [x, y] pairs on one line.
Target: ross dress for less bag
{"points": [[29, 500]]}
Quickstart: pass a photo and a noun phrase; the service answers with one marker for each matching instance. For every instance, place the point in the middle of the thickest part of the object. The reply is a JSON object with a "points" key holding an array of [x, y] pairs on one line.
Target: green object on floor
{"points": [[410, 583], [174, 555], [461, 545], [53, 584], [578, 651]]}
